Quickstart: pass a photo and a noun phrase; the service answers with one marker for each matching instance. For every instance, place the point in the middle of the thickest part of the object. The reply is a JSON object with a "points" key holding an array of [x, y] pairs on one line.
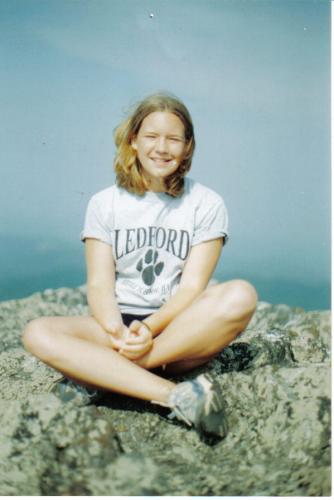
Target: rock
{"points": [[46, 449], [276, 383]]}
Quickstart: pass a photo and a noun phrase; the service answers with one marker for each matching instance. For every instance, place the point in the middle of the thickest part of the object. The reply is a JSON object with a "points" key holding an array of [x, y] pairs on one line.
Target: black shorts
{"points": [[128, 318]]}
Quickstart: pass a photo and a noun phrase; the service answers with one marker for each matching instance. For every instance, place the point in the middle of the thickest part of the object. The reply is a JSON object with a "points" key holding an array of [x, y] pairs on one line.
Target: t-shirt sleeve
{"points": [[211, 221], [95, 225]]}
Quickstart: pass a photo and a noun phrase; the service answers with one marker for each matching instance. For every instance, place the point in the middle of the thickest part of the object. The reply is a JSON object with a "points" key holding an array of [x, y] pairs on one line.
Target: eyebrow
{"points": [[151, 132]]}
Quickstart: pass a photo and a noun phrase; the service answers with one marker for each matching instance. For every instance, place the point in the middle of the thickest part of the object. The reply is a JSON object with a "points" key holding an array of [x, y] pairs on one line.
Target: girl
{"points": [[152, 243]]}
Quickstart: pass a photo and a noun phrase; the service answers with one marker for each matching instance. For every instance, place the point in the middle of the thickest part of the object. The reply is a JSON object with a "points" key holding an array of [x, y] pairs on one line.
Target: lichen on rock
{"points": [[276, 383]]}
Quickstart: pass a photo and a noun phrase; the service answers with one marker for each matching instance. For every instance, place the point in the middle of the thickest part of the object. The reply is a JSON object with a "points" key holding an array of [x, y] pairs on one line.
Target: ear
{"points": [[134, 143]]}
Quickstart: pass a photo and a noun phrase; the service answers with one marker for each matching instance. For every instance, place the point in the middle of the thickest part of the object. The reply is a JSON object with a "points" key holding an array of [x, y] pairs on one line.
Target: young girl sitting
{"points": [[152, 243]]}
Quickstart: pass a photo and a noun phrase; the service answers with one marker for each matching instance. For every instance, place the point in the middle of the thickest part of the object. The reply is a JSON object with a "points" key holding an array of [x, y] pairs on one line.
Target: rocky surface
{"points": [[276, 381]]}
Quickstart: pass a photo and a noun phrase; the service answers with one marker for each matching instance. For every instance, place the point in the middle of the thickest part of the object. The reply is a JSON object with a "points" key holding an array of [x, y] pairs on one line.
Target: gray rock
{"points": [[276, 382]]}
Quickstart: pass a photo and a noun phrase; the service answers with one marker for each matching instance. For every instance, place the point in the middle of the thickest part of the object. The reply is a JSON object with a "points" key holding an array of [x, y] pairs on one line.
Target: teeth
{"points": [[161, 161]]}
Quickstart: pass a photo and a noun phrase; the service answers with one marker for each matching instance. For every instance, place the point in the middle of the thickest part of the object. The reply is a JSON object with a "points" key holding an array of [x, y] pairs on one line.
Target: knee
{"points": [[36, 338], [243, 296], [237, 299]]}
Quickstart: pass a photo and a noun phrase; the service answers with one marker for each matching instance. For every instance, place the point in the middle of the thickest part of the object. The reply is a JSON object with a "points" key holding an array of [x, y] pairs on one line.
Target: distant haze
{"points": [[255, 76]]}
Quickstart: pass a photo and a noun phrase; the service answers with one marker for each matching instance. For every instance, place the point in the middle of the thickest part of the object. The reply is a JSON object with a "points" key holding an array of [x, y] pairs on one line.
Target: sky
{"points": [[255, 75]]}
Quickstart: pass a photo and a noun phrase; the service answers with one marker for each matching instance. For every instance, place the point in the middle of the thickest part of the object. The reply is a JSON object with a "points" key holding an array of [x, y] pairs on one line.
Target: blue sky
{"points": [[255, 76]]}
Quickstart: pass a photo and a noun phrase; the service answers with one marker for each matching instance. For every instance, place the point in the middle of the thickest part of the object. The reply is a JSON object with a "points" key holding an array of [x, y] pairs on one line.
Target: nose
{"points": [[161, 145]]}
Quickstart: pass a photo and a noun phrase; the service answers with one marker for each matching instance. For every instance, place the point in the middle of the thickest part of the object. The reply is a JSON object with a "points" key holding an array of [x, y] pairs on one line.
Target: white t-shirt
{"points": [[151, 236]]}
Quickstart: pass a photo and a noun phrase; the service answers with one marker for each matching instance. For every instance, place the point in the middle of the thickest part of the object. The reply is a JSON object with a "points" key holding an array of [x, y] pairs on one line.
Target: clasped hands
{"points": [[133, 341]]}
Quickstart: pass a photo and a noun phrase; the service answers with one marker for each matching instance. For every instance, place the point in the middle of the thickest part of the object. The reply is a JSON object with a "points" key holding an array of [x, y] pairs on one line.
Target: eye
{"points": [[175, 139]]}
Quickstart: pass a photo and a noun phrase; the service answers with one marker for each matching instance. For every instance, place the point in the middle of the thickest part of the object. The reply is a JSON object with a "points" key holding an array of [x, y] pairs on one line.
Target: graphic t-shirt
{"points": [[151, 237]]}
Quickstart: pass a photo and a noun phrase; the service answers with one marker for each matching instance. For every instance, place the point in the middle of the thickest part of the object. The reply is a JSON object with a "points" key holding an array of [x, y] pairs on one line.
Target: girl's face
{"points": [[160, 146]]}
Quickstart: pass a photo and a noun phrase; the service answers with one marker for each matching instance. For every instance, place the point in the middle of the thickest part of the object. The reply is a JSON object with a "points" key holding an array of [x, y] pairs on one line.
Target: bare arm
{"points": [[103, 303], [101, 284], [197, 272]]}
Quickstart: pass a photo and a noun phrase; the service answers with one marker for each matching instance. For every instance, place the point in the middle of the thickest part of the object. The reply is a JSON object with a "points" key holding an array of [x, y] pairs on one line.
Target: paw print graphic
{"points": [[149, 267]]}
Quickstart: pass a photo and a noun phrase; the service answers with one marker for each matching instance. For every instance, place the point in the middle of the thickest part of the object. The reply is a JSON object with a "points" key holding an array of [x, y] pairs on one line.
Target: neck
{"points": [[156, 185]]}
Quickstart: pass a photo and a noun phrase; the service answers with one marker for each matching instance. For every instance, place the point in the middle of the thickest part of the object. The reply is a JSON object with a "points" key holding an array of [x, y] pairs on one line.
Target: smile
{"points": [[162, 161]]}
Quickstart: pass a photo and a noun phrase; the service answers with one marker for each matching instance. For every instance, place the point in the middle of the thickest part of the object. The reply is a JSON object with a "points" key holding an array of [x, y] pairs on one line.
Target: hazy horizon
{"points": [[33, 265]]}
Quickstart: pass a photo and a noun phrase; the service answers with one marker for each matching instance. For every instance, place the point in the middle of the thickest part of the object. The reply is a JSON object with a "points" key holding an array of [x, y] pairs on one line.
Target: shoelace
{"points": [[174, 413]]}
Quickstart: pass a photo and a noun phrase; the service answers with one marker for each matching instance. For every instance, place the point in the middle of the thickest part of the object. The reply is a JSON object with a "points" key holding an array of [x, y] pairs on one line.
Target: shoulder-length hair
{"points": [[128, 170]]}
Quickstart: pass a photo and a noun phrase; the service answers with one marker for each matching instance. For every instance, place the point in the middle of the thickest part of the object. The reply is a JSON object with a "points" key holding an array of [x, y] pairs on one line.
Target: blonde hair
{"points": [[126, 164]]}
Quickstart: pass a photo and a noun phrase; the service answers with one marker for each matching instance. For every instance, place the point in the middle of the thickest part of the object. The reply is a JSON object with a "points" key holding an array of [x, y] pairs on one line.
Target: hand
{"points": [[118, 334], [138, 342]]}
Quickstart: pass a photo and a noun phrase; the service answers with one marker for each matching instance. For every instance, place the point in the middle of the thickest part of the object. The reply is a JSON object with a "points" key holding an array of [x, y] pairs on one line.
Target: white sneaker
{"points": [[67, 390], [199, 402]]}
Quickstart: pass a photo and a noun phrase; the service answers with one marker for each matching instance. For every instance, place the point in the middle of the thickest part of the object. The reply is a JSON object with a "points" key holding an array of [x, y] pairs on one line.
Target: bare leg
{"points": [[80, 348], [90, 362], [204, 328]]}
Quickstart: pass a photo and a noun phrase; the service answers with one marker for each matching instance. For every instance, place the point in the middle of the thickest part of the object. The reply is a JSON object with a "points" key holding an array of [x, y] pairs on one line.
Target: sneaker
{"points": [[67, 390], [200, 403]]}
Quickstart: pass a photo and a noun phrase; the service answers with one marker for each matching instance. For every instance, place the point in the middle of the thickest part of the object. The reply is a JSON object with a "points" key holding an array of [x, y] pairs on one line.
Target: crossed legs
{"points": [[80, 348]]}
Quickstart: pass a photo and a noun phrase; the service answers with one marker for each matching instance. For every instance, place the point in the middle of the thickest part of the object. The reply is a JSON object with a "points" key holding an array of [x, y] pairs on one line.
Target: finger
{"points": [[134, 341], [139, 339], [134, 355], [135, 325], [115, 343], [135, 348], [130, 356]]}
